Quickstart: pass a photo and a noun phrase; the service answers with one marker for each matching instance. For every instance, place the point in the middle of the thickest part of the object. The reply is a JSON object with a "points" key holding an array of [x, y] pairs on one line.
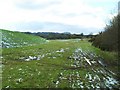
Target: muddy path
{"points": [[87, 70]]}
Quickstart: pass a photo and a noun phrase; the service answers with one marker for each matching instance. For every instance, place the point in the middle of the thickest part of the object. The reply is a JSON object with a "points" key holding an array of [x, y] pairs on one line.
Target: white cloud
{"points": [[71, 12]]}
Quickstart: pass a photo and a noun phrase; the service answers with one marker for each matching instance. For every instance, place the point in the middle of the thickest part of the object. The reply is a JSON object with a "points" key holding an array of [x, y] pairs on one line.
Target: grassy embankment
{"points": [[18, 39]]}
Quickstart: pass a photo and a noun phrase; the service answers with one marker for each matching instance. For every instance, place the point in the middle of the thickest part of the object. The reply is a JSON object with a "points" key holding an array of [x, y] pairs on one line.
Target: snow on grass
{"points": [[17, 39], [61, 50], [93, 62], [7, 87], [48, 54], [59, 67], [29, 58], [101, 63], [79, 58], [1, 57], [109, 81], [20, 80], [88, 61]]}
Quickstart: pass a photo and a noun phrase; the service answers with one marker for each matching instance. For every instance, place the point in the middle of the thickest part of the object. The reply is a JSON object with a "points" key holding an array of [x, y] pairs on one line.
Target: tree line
{"points": [[66, 35], [108, 39]]}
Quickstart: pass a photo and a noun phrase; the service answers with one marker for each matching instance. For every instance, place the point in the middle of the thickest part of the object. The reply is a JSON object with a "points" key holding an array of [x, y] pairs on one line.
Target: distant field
{"points": [[59, 64]]}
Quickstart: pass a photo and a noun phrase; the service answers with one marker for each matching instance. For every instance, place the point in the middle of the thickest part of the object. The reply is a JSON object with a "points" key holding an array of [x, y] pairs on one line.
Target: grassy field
{"points": [[59, 64], [18, 39]]}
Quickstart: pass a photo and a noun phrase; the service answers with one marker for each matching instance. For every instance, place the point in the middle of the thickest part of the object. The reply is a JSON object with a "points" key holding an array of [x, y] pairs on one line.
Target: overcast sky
{"points": [[75, 16]]}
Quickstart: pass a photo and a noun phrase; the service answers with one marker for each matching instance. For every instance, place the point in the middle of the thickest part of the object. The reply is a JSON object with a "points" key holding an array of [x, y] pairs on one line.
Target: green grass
{"points": [[44, 73], [18, 39]]}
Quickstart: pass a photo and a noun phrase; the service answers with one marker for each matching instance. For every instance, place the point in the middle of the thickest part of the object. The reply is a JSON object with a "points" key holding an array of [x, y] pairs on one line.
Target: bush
{"points": [[108, 39]]}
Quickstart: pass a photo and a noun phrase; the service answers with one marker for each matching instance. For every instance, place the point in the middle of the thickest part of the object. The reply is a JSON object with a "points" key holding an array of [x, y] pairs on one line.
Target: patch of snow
{"points": [[19, 80], [62, 50], [90, 76], [100, 62], [110, 81], [43, 56], [96, 77], [39, 73], [93, 62], [32, 57], [97, 86], [87, 60], [64, 78], [78, 50], [61, 73], [31, 74], [25, 43], [7, 87], [86, 76], [1, 57], [73, 85], [92, 86], [81, 86], [112, 72], [11, 68], [23, 72], [73, 65], [57, 82], [53, 57], [78, 74], [76, 57], [20, 69], [88, 87], [40, 57], [27, 59]]}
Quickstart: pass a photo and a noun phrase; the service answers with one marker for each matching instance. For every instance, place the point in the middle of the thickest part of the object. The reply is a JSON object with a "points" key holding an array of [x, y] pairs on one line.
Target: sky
{"points": [[74, 16]]}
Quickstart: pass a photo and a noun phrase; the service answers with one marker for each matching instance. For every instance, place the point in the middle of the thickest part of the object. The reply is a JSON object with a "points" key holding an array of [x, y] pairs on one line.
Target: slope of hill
{"points": [[18, 39]]}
